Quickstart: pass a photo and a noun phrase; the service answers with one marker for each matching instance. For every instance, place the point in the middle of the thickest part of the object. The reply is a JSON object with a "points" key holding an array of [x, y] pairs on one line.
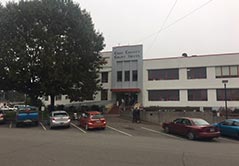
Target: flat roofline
{"points": [[127, 45], [193, 56], [106, 51]]}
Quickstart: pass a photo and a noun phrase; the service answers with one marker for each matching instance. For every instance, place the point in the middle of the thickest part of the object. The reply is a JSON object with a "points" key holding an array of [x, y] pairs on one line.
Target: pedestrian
{"points": [[134, 120], [138, 115]]}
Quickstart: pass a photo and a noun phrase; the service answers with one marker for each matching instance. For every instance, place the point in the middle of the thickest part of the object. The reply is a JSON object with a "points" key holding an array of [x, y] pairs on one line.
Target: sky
{"points": [[167, 28]]}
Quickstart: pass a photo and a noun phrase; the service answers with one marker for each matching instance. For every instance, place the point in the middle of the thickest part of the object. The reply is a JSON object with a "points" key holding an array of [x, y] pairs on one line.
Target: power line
{"points": [[165, 21], [178, 20], [198, 8], [171, 10]]}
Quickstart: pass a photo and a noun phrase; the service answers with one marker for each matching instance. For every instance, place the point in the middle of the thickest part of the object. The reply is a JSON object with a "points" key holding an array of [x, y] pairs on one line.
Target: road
{"points": [[122, 143]]}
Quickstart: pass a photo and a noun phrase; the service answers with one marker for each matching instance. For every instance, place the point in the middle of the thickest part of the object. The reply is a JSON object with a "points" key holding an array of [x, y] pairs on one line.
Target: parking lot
{"points": [[115, 126], [121, 143]]}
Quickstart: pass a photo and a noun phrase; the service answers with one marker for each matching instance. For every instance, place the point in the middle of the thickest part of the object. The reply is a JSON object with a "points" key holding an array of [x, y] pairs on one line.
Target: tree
{"points": [[49, 47]]}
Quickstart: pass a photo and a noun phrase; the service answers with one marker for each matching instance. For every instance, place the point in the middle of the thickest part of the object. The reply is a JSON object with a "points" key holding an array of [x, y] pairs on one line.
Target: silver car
{"points": [[59, 119]]}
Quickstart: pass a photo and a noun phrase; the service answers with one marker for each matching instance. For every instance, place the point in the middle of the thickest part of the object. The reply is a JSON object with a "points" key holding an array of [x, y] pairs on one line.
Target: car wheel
{"points": [[166, 130], [191, 136], [86, 127]]}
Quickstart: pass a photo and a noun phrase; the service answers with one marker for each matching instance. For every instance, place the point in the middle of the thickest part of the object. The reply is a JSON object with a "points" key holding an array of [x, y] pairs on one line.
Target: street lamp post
{"points": [[225, 96]]}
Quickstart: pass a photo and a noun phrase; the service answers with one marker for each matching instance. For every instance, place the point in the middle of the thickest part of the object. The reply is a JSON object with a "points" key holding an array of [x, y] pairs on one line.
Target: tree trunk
{"points": [[52, 105]]}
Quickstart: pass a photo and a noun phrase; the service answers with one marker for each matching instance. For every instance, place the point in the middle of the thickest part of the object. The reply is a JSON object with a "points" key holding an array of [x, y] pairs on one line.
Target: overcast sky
{"points": [[195, 27]]}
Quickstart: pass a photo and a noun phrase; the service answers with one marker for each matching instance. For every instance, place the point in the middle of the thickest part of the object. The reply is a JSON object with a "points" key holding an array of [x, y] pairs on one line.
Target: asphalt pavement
{"points": [[122, 143]]}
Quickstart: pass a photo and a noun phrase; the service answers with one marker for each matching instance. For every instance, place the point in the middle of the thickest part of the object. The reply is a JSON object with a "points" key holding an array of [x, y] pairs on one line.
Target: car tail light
{"points": [[90, 122]]}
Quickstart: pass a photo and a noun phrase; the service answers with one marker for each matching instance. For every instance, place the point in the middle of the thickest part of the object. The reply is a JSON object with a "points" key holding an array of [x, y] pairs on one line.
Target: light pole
{"points": [[225, 95]]}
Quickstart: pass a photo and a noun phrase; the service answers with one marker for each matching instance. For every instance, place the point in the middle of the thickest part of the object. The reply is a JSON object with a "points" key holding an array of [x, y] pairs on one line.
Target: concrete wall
{"points": [[160, 117]]}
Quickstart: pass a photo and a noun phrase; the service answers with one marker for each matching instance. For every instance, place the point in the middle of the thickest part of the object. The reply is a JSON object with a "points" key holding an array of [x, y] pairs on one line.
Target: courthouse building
{"points": [[195, 81]]}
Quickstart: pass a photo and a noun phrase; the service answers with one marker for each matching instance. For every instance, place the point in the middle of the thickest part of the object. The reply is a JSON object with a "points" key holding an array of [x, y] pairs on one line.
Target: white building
{"points": [[179, 82], [193, 81]]}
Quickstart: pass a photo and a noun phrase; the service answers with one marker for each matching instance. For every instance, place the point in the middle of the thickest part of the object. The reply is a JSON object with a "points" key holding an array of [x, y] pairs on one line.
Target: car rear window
{"points": [[97, 116], [200, 122], [59, 114]]}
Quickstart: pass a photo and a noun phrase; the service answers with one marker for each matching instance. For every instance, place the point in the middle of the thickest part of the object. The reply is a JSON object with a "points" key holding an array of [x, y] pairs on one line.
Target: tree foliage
{"points": [[48, 47]]}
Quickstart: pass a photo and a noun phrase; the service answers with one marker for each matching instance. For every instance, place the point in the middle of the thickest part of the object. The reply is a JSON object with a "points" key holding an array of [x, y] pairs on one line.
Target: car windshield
{"points": [[97, 116], [60, 114], [200, 122]]}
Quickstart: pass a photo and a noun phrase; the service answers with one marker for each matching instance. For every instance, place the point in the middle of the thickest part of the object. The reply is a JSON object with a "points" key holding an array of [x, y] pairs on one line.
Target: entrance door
{"points": [[128, 98]]}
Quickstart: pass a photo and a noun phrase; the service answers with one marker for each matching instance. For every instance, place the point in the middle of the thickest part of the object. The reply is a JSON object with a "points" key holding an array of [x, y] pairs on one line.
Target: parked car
{"points": [[92, 120], [192, 128], [229, 127], [27, 115], [59, 118], [2, 116]]}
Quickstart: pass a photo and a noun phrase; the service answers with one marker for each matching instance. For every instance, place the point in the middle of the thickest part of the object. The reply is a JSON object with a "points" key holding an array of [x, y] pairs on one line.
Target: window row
{"points": [[193, 95], [127, 76], [193, 73], [227, 71]]}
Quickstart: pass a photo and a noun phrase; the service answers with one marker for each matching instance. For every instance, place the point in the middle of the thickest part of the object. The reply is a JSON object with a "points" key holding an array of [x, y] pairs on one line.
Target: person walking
{"points": [[134, 115]]}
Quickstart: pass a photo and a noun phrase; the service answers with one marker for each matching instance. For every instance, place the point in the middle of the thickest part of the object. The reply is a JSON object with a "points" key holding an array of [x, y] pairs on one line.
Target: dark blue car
{"points": [[229, 127]]}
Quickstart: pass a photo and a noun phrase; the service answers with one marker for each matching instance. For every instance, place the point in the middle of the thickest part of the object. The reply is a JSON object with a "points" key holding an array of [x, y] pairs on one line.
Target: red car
{"points": [[2, 116], [92, 120], [192, 128]]}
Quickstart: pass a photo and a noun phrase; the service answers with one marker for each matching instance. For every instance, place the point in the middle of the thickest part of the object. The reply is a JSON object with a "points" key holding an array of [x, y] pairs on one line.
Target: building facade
{"points": [[192, 81], [196, 82]]}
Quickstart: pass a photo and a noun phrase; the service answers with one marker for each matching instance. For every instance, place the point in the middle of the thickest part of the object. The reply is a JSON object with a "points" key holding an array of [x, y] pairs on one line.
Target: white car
{"points": [[59, 119]]}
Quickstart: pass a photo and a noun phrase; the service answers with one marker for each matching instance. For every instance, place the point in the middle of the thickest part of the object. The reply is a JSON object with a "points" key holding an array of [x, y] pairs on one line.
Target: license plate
{"points": [[212, 130], [28, 121], [98, 121]]}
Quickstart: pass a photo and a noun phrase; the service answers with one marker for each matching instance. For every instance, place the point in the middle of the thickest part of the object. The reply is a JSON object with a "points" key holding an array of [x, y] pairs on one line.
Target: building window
{"points": [[232, 94], [227, 71], [104, 94], [104, 77], [119, 76], [134, 75], [58, 97], [197, 95], [163, 74], [127, 76], [163, 95], [197, 73]]}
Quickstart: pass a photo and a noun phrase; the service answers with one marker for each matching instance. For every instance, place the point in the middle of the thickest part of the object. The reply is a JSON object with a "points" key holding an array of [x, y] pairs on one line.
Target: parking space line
{"points": [[112, 128], [159, 132], [78, 128], [44, 128], [10, 125]]}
